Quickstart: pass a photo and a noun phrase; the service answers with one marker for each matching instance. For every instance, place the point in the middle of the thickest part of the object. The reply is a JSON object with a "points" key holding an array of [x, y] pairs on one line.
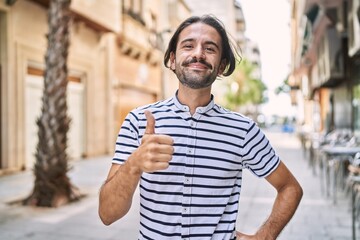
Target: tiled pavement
{"points": [[317, 218]]}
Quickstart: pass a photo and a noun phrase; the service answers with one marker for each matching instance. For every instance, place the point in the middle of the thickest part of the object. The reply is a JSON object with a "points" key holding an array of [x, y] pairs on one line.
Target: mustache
{"points": [[194, 60]]}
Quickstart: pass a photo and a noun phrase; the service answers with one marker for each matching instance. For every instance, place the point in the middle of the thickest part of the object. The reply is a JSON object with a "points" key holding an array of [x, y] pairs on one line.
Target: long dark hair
{"points": [[228, 49]]}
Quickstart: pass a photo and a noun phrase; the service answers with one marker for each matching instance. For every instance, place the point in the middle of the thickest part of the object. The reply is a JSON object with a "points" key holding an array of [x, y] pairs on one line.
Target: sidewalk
{"points": [[76, 221], [317, 218]]}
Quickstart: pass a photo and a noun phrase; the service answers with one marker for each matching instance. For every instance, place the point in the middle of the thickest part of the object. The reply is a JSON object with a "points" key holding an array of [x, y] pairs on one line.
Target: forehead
{"points": [[200, 31]]}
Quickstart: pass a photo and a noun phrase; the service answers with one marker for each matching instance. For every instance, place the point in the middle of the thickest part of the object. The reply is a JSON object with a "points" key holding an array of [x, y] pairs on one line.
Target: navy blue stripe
{"points": [[222, 115], [168, 118], [253, 146], [123, 152], [219, 124], [132, 125], [162, 182], [208, 224], [167, 203], [204, 138], [216, 140], [160, 222], [127, 136], [125, 127], [194, 175], [252, 137], [119, 160], [201, 165], [207, 148], [126, 145], [210, 214], [210, 205], [232, 126], [132, 114], [212, 186], [207, 235], [160, 232], [162, 192], [161, 202], [263, 156], [267, 172], [189, 195], [207, 157], [260, 168], [197, 129], [146, 237], [160, 212]]}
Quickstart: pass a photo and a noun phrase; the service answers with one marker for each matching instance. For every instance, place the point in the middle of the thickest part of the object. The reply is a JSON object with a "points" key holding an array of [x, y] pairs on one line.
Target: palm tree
{"points": [[52, 186], [242, 88]]}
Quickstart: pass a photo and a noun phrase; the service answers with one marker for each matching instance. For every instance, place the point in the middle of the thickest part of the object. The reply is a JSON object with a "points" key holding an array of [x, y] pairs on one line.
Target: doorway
{"points": [[75, 97]]}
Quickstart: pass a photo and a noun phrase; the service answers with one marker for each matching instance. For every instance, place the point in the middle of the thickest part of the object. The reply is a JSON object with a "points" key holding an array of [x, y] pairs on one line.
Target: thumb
{"points": [[150, 123]]}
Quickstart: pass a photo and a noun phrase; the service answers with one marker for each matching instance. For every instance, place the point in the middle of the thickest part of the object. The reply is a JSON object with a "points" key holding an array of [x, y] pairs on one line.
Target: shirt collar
{"points": [[185, 108]]}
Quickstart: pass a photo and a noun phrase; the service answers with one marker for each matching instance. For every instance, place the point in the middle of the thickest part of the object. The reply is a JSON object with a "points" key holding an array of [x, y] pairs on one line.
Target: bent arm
{"points": [[289, 194], [117, 192]]}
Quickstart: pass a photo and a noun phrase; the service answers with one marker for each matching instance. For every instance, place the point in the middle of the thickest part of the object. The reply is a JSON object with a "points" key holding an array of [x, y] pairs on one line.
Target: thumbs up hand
{"points": [[150, 123], [155, 151]]}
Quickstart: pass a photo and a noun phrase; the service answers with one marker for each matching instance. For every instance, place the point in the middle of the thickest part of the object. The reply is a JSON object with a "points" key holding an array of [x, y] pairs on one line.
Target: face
{"points": [[197, 61]]}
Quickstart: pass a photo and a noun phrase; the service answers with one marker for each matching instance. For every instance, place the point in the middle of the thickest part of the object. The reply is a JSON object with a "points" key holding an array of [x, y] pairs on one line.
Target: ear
{"points": [[222, 67], [172, 61]]}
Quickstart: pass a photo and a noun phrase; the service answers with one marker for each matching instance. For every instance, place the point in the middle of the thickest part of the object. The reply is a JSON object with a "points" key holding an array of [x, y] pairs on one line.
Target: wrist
{"points": [[264, 235], [133, 168]]}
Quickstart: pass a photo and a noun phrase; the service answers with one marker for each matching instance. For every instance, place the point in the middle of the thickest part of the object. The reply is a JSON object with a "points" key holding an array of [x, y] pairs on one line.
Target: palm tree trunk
{"points": [[52, 185]]}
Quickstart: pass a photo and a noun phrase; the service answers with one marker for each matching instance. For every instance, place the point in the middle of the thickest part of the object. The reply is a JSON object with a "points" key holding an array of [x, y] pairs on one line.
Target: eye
{"points": [[187, 46], [209, 49]]}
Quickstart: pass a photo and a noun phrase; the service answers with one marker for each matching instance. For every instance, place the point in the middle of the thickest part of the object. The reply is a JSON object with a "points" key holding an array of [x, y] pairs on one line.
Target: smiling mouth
{"points": [[197, 66], [200, 65]]}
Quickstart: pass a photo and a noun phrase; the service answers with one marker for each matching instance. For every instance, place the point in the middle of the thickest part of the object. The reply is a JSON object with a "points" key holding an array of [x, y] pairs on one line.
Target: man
{"points": [[188, 153]]}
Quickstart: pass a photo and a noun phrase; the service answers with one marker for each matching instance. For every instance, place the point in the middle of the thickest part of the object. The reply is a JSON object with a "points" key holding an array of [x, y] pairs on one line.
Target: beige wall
{"points": [[113, 81], [26, 46], [106, 14]]}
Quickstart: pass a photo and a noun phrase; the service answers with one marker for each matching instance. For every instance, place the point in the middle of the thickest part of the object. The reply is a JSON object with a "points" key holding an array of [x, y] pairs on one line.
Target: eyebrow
{"points": [[208, 42]]}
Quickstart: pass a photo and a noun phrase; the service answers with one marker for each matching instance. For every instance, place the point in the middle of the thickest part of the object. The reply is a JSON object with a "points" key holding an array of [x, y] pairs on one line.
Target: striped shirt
{"points": [[197, 196]]}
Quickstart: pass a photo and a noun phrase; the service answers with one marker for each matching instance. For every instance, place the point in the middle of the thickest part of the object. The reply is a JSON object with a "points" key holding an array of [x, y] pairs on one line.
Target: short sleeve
{"points": [[127, 140], [257, 153]]}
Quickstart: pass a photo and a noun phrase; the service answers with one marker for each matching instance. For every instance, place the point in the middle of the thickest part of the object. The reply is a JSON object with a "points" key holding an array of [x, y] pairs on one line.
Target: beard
{"points": [[195, 79]]}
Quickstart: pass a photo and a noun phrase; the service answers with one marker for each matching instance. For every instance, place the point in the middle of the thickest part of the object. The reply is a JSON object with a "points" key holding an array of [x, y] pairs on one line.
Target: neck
{"points": [[194, 98]]}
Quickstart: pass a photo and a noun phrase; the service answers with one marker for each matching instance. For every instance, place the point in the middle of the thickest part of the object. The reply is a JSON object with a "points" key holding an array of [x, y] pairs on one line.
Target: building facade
{"points": [[325, 63], [115, 64]]}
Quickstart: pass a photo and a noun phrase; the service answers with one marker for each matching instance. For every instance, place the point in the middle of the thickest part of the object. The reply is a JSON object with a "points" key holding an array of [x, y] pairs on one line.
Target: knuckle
{"points": [[147, 166]]}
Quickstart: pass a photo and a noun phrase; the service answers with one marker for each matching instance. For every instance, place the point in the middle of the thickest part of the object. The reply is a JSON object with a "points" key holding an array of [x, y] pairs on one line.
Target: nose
{"points": [[198, 53]]}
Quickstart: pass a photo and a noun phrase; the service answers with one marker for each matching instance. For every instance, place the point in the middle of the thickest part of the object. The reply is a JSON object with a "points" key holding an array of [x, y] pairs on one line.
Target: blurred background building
{"points": [[115, 64], [325, 71]]}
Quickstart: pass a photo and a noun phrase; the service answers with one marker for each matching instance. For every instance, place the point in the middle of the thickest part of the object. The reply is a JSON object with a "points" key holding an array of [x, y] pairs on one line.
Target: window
{"points": [[134, 8]]}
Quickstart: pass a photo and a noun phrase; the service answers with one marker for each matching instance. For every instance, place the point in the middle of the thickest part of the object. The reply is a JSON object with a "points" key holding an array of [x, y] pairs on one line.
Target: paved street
{"points": [[317, 218]]}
